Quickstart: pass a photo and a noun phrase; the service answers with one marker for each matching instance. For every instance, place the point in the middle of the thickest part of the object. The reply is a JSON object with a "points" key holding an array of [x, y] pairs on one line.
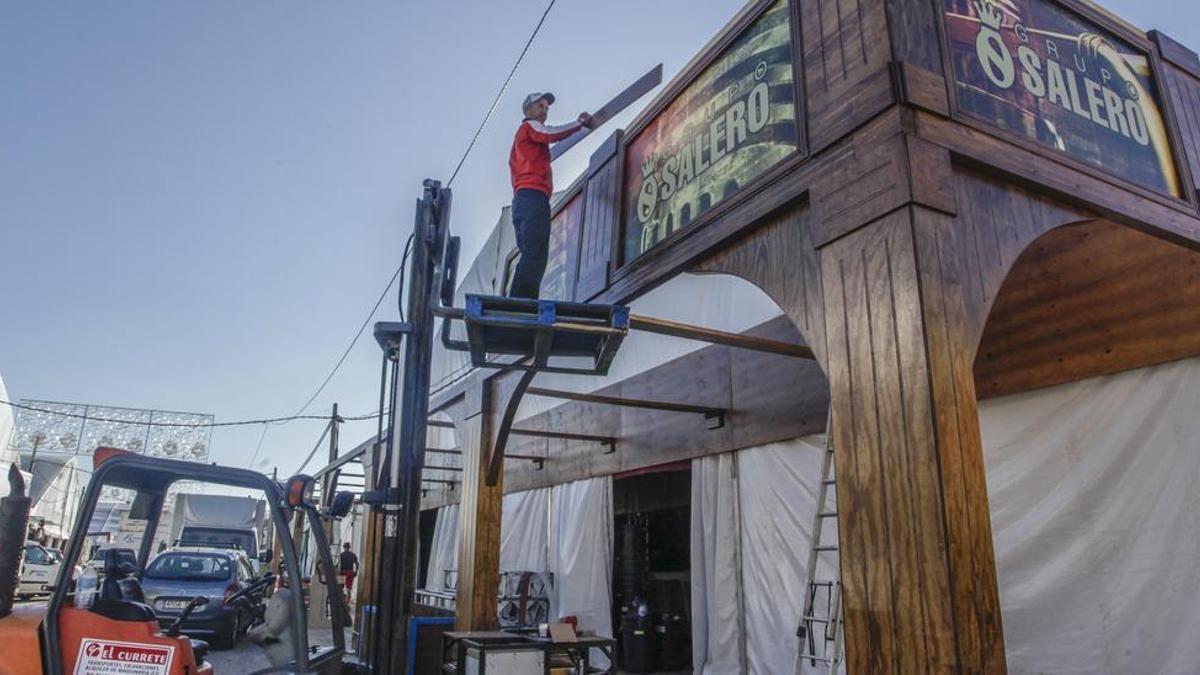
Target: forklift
{"points": [[96, 620]]}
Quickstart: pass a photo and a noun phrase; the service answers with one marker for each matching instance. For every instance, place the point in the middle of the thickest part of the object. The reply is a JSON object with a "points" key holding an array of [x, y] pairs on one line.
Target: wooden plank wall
{"points": [[1183, 94], [961, 263], [1087, 300], [894, 569], [601, 212], [1181, 75], [995, 223], [781, 257], [845, 66]]}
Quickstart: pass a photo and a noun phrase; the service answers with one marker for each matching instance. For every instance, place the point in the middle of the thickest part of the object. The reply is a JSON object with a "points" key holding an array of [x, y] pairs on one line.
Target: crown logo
{"points": [[989, 14], [649, 165]]}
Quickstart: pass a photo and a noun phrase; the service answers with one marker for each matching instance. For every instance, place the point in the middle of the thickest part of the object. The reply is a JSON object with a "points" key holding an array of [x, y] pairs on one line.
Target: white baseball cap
{"points": [[535, 97]]}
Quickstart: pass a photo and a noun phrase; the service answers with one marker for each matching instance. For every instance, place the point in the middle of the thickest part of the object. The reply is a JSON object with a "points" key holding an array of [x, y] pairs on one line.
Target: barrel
{"points": [[639, 648]]}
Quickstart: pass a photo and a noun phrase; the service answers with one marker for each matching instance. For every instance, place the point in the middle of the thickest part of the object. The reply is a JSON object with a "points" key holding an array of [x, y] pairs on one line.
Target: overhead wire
{"points": [[298, 415], [399, 274], [258, 448], [500, 95], [315, 448]]}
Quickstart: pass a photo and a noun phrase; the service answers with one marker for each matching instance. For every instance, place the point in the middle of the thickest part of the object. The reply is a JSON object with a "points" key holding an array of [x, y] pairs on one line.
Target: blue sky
{"points": [[200, 201]]}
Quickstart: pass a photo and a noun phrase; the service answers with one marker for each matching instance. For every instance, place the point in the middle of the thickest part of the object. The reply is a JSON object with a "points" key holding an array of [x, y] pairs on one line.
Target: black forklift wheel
{"points": [[228, 639]]}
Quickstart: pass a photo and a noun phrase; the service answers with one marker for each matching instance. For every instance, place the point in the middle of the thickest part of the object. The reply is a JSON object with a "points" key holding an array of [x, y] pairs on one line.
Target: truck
{"points": [[219, 521]]}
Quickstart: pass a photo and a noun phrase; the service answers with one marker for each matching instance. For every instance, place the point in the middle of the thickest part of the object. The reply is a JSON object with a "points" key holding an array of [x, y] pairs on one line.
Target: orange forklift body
{"points": [[93, 643], [20, 643]]}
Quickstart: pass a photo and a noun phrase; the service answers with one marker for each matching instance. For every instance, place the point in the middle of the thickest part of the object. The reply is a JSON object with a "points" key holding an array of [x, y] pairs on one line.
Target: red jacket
{"points": [[529, 160]]}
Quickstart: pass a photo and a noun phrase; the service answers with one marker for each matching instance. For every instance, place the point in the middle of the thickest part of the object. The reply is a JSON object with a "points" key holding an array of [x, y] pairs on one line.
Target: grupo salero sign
{"points": [[733, 122], [1045, 73]]}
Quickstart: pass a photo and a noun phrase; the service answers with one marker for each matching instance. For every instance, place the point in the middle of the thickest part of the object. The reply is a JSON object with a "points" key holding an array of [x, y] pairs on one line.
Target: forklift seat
{"points": [[120, 596], [120, 582]]}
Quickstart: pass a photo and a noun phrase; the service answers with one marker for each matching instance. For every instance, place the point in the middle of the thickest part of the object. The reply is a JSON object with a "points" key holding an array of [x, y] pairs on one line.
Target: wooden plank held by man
{"points": [[533, 181]]}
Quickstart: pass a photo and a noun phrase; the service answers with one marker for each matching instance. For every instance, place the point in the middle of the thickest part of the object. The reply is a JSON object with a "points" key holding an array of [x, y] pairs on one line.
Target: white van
{"points": [[39, 570]]}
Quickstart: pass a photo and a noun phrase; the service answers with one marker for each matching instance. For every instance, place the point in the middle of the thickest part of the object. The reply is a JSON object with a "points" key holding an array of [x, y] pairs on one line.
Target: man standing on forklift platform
{"points": [[533, 183]]}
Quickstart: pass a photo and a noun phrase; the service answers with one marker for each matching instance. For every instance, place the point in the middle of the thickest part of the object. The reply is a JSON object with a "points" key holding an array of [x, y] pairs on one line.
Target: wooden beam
{"points": [[707, 412], [607, 440], [537, 459], [591, 438], [496, 459], [354, 455], [621, 101], [720, 337], [479, 524]]}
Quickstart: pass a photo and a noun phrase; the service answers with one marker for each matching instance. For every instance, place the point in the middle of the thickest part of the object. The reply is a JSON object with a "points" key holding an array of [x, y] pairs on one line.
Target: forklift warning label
{"points": [[125, 658]]}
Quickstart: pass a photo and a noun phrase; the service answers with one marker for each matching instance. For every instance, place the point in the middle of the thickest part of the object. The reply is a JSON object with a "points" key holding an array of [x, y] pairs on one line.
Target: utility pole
{"points": [[276, 541], [329, 480], [37, 441], [329, 486]]}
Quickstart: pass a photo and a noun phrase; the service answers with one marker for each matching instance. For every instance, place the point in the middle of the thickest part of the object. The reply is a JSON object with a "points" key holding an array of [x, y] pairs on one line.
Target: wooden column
{"points": [[479, 516], [916, 545]]}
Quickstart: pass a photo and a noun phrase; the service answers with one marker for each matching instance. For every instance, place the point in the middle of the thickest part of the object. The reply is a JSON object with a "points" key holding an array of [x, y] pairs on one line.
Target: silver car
{"points": [[174, 577]]}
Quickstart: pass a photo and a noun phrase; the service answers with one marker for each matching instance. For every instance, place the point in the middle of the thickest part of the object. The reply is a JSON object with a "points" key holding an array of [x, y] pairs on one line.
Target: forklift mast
{"points": [[396, 493]]}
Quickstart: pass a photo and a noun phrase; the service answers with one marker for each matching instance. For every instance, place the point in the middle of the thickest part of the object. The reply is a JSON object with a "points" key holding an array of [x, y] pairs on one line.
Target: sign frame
{"points": [[1187, 199], [618, 266], [560, 202]]}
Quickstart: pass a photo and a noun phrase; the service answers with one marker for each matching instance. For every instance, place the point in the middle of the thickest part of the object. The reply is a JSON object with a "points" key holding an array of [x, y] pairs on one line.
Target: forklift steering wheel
{"points": [[254, 587]]}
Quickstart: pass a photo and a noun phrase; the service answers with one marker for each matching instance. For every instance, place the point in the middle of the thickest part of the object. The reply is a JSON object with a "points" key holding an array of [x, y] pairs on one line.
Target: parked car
{"points": [[39, 570], [176, 576]]}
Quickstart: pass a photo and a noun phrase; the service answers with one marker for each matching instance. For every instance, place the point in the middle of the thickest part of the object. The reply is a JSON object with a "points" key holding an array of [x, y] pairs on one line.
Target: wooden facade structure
{"points": [[929, 259]]}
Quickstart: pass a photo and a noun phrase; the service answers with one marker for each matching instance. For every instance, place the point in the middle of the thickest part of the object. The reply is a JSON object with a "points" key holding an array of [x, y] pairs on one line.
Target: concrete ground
{"points": [[248, 657]]}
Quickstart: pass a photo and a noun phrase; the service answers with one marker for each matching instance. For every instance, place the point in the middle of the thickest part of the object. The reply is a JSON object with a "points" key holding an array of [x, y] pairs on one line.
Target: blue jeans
{"points": [[531, 220]]}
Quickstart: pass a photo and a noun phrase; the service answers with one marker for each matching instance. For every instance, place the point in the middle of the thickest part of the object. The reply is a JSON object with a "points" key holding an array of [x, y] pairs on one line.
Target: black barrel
{"points": [[639, 645], [675, 645]]}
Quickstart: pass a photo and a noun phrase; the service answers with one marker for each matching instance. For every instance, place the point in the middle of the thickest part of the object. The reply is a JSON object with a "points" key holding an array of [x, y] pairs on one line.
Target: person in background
{"points": [[533, 183], [348, 566]]}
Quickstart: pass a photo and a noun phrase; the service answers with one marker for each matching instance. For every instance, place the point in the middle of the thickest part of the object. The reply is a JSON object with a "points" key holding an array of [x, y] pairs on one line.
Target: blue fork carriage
{"points": [[539, 330]]}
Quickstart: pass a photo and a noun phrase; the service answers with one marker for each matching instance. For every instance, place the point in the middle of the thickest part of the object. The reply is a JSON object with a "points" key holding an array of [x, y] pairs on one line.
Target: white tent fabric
{"points": [[524, 529], [718, 637], [443, 554], [59, 503], [1095, 517], [7, 456], [581, 554], [752, 517], [1096, 522], [778, 486]]}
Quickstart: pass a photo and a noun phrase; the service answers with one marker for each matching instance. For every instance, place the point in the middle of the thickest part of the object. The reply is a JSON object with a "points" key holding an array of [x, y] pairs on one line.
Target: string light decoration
{"points": [[60, 427]]}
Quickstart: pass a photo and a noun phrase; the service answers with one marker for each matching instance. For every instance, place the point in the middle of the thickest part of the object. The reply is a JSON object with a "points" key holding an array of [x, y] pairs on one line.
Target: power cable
{"points": [[258, 448], [500, 95], [315, 448], [399, 274]]}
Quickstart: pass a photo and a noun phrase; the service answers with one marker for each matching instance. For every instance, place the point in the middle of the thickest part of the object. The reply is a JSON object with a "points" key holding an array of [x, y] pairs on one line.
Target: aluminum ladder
{"points": [[821, 627]]}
